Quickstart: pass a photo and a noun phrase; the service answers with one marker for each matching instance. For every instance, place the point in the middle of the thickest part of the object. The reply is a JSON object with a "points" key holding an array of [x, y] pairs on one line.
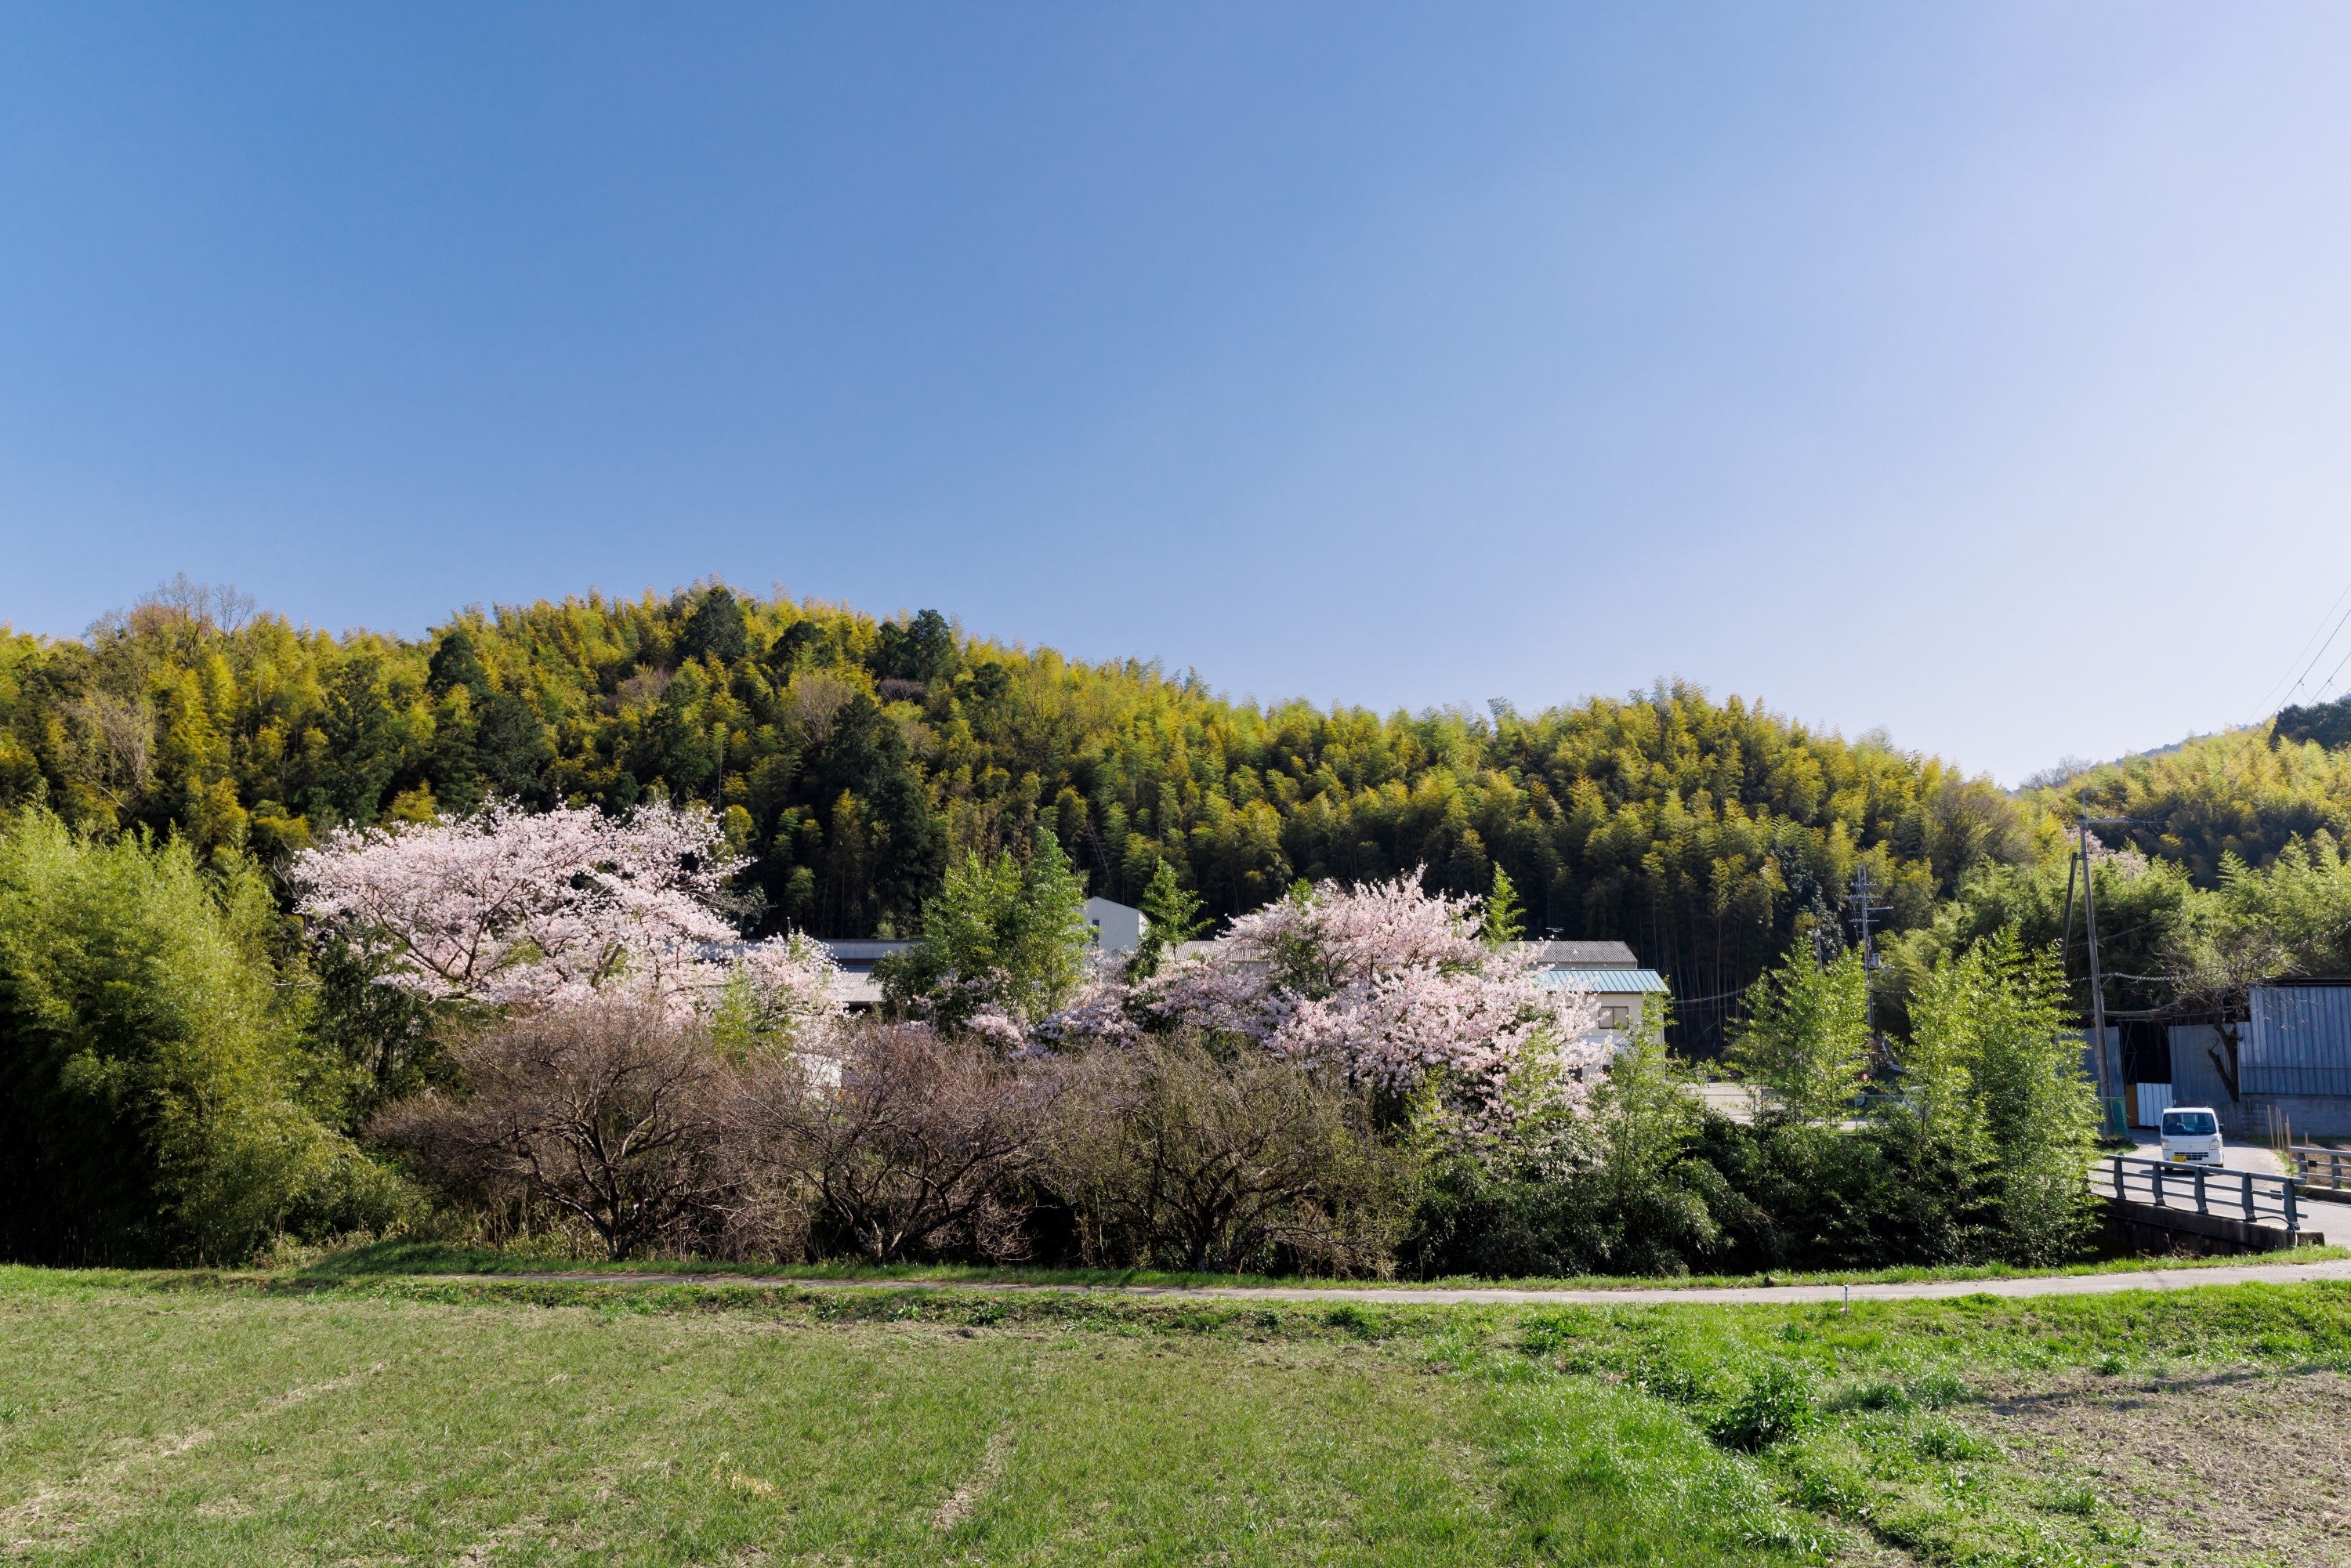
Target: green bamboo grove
{"points": [[850, 756]]}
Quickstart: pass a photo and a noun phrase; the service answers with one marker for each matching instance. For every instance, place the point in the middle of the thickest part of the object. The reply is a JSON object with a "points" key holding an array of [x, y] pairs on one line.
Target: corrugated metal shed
{"points": [[1611, 980], [2298, 1042]]}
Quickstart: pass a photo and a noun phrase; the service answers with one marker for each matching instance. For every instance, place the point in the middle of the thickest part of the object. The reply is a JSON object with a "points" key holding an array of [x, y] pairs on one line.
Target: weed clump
{"points": [[1777, 1405]]}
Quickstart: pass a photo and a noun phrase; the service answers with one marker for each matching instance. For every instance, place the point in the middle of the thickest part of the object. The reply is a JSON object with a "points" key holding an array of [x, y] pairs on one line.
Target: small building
{"points": [[1117, 928], [2280, 1065], [1611, 972], [858, 990]]}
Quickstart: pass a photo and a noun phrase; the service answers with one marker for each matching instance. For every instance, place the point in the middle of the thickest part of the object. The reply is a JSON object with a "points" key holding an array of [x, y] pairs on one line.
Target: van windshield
{"points": [[2189, 1123]]}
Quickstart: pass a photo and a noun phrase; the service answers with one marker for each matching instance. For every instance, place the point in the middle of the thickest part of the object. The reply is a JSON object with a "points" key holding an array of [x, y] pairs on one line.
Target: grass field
{"points": [[220, 1419], [399, 1258]]}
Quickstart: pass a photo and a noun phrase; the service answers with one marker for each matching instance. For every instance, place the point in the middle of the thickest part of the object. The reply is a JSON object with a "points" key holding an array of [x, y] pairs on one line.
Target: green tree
{"points": [[1505, 918], [1172, 917], [2291, 917], [1000, 934], [715, 630], [150, 1082], [1993, 1074], [1806, 1037]]}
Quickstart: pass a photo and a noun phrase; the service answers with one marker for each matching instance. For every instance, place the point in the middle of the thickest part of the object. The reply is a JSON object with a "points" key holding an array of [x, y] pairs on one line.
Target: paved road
{"points": [[1740, 1101], [1408, 1295], [2234, 1155]]}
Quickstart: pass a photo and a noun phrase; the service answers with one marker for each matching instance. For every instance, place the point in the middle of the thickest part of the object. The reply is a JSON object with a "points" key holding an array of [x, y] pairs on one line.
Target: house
{"points": [[1115, 928], [858, 990], [1610, 972]]}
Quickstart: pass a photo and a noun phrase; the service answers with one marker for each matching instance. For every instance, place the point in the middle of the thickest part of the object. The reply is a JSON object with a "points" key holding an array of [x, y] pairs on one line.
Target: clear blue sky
{"points": [[1980, 372]]}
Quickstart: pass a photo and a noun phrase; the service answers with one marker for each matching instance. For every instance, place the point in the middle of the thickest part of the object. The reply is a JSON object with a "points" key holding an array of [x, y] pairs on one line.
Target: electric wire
{"points": [[2275, 699], [2320, 694], [2307, 644]]}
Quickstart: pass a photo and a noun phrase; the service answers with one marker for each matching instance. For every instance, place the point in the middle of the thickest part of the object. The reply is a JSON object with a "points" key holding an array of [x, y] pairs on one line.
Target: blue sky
{"points": [[1982, 373]]}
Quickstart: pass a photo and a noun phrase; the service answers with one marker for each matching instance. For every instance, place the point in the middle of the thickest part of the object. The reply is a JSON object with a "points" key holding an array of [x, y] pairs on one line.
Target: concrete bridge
{"points": [[2163, 1207]]}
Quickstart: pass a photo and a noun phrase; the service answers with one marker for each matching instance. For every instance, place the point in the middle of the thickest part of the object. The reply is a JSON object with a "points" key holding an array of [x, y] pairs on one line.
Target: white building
{"points": [[1117, 928], [1607, 969]]}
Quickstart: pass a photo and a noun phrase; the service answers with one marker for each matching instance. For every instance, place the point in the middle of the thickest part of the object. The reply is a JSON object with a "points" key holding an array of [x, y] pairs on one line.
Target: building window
{"points": [[1615, 1017]]}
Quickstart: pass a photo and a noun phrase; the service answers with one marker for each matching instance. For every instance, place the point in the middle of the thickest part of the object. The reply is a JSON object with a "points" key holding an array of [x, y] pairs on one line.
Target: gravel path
{"points": [[1408, 1295]]}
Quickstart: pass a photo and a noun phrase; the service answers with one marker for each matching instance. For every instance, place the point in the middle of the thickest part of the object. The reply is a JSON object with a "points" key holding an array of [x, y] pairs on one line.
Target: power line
{"points": [[2316, 657], [2307, 642], [2275, 698], [2330, 679], [1717, 997]]}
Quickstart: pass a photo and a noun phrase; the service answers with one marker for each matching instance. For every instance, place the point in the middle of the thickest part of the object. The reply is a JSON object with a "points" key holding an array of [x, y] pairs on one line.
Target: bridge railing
{"points": [[2255, 1197], [2329, 1168]]}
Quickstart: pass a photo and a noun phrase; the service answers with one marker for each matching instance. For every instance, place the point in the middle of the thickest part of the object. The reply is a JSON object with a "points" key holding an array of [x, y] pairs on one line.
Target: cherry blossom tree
{"points": [[1387, 982], [509, 908], [784, 990]]}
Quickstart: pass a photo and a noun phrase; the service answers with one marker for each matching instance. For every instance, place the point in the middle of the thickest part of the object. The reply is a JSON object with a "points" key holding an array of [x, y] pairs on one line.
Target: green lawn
{"points": [[208, 1420]]}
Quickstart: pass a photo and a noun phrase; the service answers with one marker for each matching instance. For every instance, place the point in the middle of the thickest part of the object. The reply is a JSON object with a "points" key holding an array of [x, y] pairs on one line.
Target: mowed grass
{"points": [[202, 1427], [208, 1420]]}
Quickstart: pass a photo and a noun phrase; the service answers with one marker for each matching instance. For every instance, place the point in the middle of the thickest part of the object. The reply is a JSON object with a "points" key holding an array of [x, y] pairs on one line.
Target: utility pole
{"points": [[2109, 1104], [1865, 904]]}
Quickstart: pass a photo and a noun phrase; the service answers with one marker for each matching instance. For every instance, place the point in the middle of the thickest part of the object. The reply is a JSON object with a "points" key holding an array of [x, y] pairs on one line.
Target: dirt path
{"points": [[1408, 1295]]}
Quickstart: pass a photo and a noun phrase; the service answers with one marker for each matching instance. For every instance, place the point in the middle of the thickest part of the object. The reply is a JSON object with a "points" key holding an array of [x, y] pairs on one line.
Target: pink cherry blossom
{"points": [[1387, 982], [791, 984], [522, 909]]}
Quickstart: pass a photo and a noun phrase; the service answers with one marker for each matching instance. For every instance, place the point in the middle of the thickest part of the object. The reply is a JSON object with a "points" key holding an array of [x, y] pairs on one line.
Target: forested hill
{"points": [[2246, 793], [852, 756]]}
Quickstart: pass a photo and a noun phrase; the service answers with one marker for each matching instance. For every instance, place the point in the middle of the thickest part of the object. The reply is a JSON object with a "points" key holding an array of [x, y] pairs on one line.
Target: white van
{"points": [[2191, 1135]]}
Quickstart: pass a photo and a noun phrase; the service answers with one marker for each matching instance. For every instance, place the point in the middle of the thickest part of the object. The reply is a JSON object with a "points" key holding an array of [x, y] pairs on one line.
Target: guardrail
{"points": [[2329, 1168], [2255, 1197]]}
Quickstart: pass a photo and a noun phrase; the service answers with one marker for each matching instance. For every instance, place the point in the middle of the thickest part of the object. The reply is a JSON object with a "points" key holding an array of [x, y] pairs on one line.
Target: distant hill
{"points": [[2327, 723], [2246, 792], [850, 756]]}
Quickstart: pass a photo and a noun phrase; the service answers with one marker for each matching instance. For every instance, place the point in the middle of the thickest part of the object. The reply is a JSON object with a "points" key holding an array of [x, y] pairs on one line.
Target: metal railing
{"points": [[2329, 1168], [2255, 1197]]}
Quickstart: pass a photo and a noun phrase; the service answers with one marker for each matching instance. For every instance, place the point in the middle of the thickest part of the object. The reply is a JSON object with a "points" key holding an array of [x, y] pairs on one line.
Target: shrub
{"points": [[1814, 1197], [1615, 1190], [611, 1112], [904, 1141], [1776, 1406], [1173, 1153], [150, 1102]]}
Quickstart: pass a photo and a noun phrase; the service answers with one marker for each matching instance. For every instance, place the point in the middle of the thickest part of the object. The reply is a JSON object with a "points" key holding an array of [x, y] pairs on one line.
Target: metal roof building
{"points": [[1610, 981], [2297, 1041]]}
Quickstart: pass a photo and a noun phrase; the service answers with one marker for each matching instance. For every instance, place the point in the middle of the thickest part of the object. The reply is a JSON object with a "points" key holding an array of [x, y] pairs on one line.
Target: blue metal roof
{"points": [[1612, 981]]}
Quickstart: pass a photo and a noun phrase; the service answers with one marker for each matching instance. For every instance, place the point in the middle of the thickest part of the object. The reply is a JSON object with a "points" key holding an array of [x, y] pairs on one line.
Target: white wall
{"points": [[1117, 928]]}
